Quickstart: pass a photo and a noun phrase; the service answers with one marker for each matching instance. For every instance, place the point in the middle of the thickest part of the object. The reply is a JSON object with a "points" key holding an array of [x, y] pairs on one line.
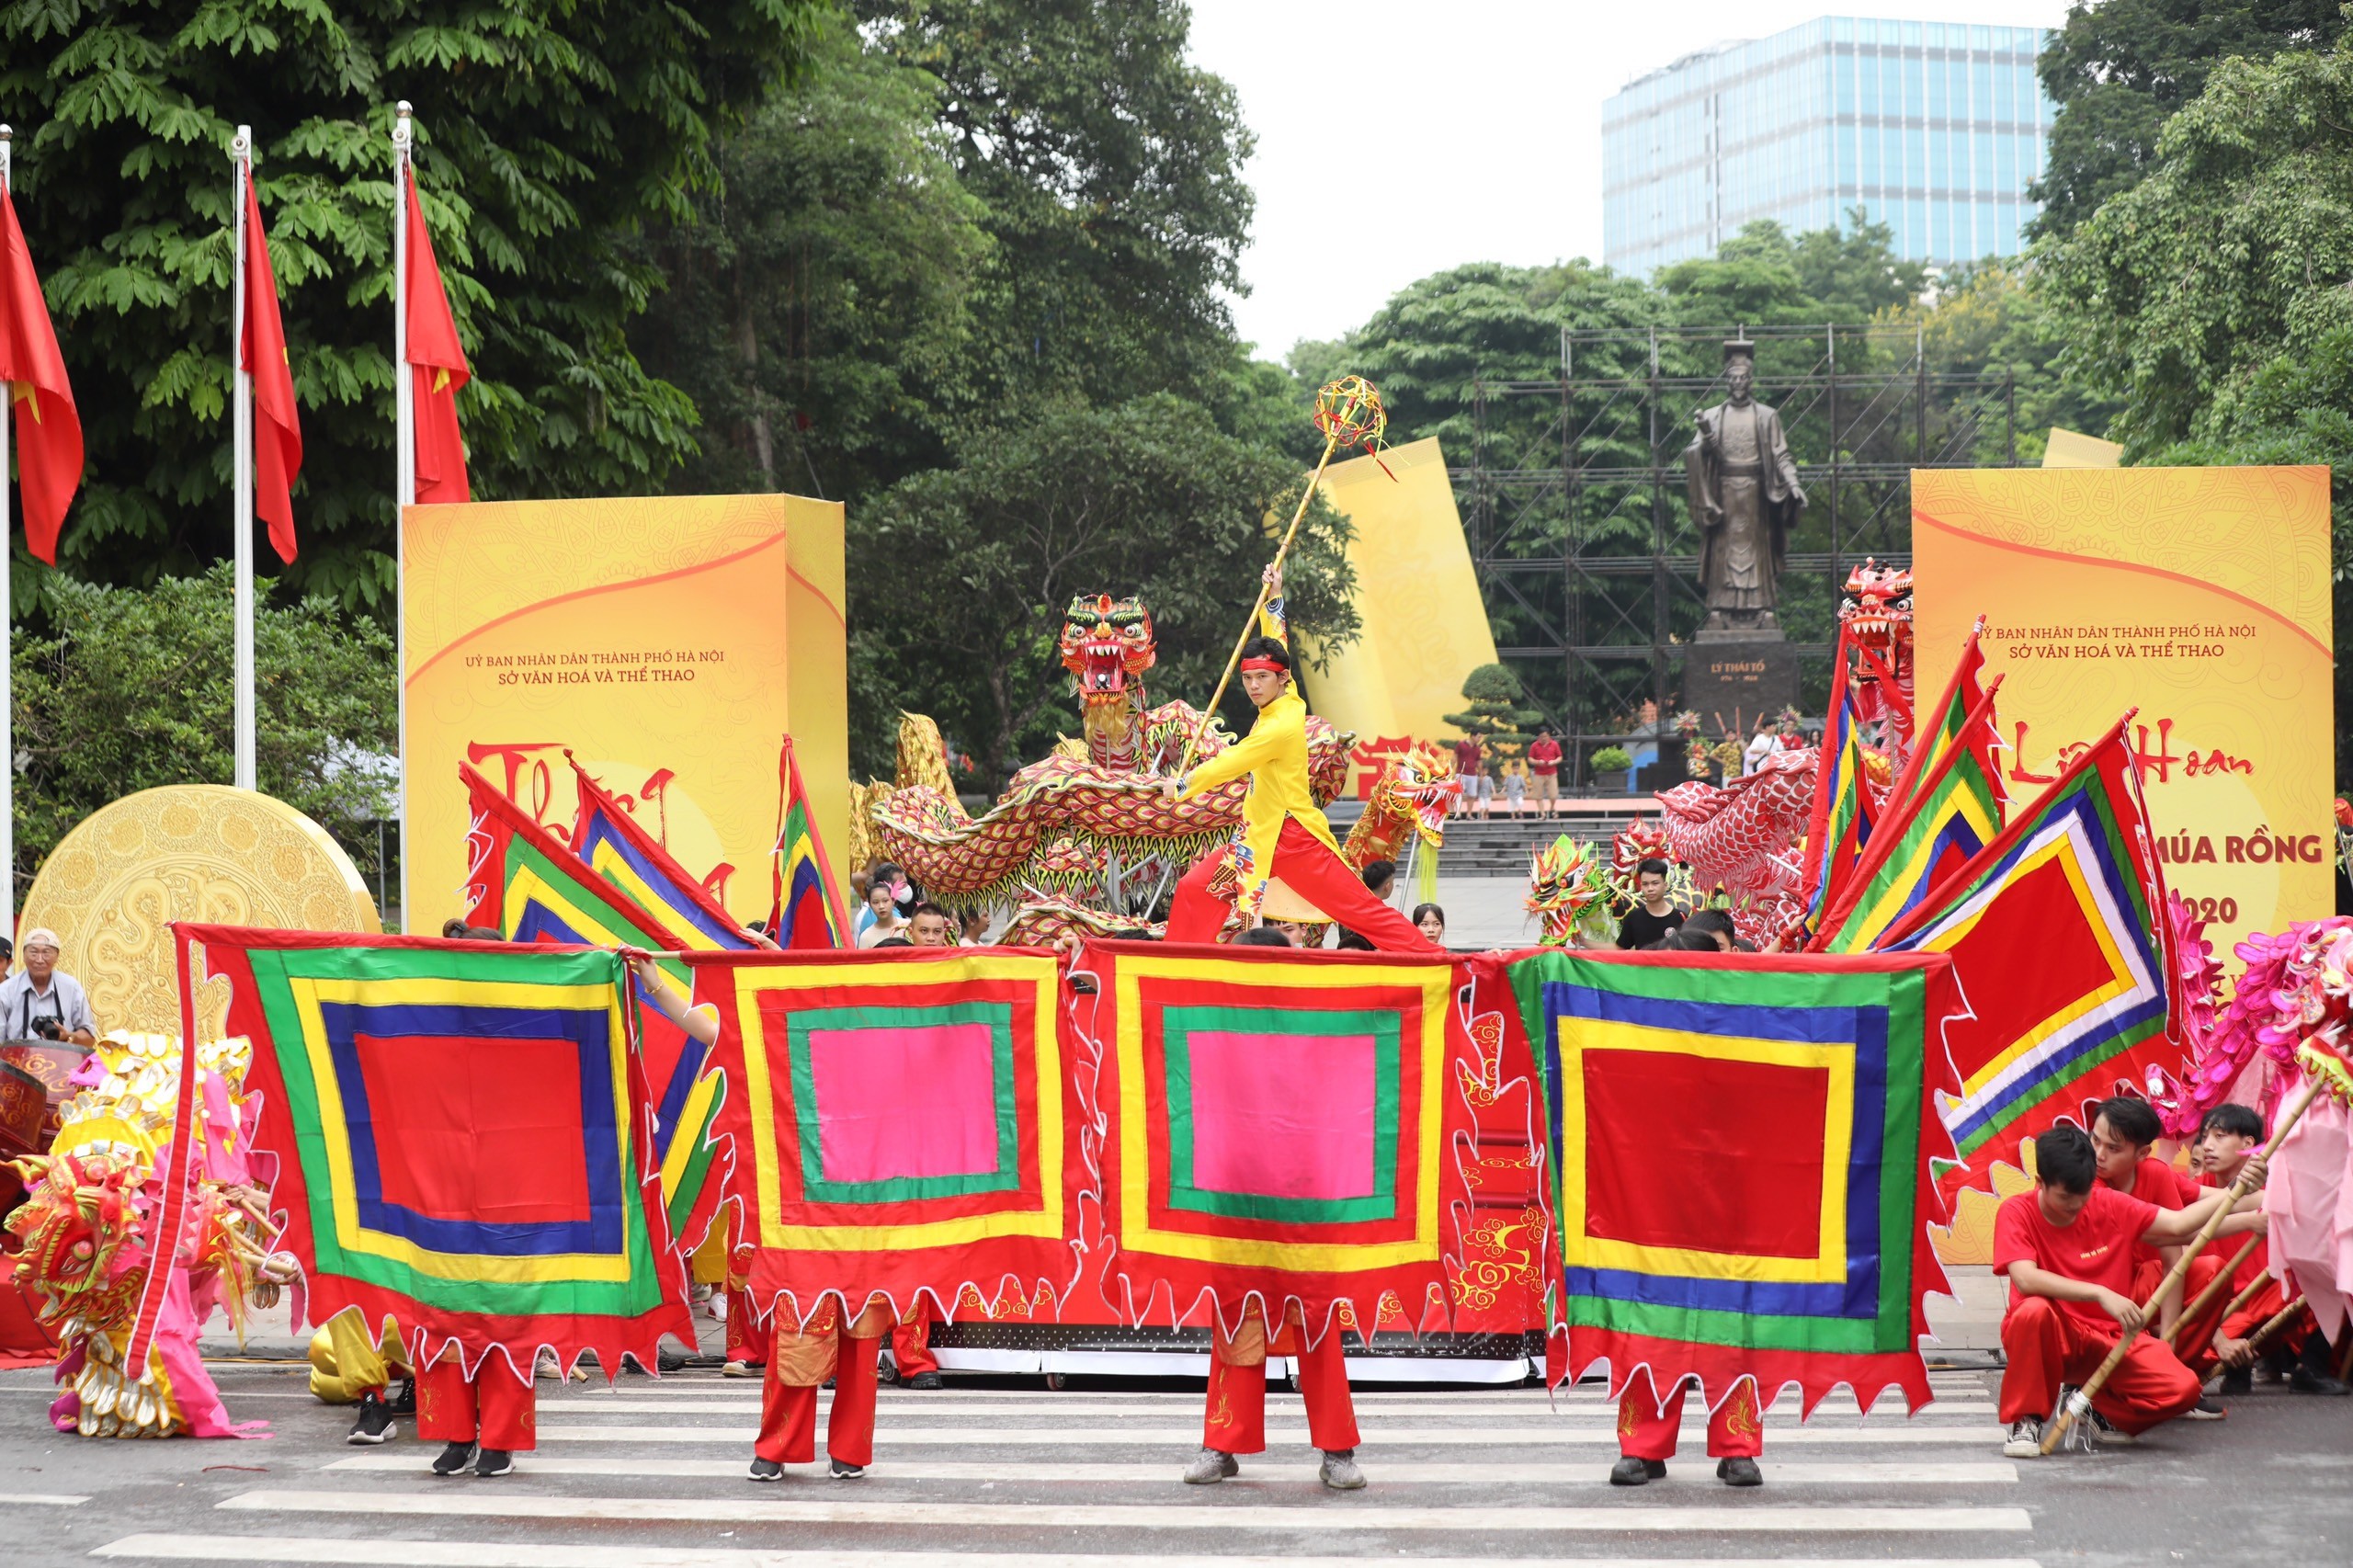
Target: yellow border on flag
{"points": [[1433, 980], [610, 864], [751, 981], [437, 990], [1827, 1266], [1884, 912]]}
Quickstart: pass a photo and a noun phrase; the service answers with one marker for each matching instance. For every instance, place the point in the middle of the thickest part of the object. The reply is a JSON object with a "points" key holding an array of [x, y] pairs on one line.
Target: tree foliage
{"points": [[550, 132], [131, 688], [2119, 69], [960, 577], [1495, 716]]}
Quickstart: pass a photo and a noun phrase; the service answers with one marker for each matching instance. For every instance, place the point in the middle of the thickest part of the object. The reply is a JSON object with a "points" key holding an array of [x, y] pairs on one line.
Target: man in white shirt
{"points": [[39, 1001], [1763, 744]]}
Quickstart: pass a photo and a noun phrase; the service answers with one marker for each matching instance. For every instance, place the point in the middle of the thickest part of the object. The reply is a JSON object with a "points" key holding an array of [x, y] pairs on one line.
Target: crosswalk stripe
{"points": [[1206, 1513], [42, 1499], [375, 1551], [1538, 1409], [1387, 1474], [1494, 1437]]}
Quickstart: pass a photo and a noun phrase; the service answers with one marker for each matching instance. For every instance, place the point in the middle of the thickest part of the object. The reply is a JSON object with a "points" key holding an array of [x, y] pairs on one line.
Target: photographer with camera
{"points": [[41, 1002]]}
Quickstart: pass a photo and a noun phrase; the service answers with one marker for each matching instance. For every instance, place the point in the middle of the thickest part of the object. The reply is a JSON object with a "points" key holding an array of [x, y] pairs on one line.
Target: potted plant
{"points": [[1609, 766]]}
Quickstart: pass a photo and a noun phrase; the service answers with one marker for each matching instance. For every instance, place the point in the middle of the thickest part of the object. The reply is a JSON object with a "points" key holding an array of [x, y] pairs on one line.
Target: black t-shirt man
{"points": [[1641, 928]]}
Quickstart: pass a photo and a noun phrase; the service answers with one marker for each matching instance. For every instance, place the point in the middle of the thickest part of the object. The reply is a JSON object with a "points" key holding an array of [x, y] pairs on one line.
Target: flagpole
{"points": [[241, 153], [404, 462], [8, 623]]}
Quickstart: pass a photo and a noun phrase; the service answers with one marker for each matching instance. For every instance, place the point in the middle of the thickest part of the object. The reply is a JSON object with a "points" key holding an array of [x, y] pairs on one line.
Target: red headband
{"points": [[1273, 665]]}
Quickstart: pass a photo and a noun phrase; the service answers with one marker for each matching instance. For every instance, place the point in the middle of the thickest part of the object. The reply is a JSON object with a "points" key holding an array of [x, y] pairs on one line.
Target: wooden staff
{"points": [[2055, 1429], [2277, 1322], [2213, 1288], [2241, 1299]]}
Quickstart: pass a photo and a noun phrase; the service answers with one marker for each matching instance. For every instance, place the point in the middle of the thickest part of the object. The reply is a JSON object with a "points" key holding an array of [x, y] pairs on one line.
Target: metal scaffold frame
{"points": [[1573, 497]]}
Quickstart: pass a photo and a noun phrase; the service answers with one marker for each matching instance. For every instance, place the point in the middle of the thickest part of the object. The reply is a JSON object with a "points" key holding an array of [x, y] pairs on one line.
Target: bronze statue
{"points": [[1745, 498]]}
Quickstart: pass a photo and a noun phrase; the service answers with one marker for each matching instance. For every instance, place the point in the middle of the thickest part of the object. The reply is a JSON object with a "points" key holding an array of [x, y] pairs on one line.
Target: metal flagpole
{"points": [[403, 463], [241, 153], [7, 621]]}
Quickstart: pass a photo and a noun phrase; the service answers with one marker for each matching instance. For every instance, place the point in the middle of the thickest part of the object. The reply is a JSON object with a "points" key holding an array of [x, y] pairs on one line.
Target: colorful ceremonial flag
{"points": [[530, 889], [436, 361], [1739, 1162], [620, 850], [806, 910], [32, 377], [1840, 824], [1944, 808], [909, 1123], [2056, 934], [1280, 1128], [278, 432], [460, 1131]]}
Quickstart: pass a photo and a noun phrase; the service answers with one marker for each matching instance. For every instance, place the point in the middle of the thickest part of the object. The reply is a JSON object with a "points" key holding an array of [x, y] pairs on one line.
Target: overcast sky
{"points": [[1397, 139]]}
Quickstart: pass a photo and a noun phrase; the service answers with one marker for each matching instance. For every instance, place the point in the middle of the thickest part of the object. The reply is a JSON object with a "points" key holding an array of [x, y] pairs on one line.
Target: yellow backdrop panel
{"points": [[670, 642], [2199, 595], [1424, 625]]}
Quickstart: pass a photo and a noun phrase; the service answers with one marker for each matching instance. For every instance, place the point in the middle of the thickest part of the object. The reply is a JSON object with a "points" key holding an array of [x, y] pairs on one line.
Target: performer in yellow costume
{"points": [[1286, 865], [349, 1365]]}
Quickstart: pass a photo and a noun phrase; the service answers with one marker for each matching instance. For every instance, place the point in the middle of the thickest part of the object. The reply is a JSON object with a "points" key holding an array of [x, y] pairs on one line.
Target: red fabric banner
{"points": [[32, 375], [277, 431], [437, 361]]}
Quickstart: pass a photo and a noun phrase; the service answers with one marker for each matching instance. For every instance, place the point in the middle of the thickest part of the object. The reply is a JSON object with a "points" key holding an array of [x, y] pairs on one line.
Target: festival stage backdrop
{"points": [[2202, 596], [1282, 1127], [461, 1136], [908, 1123], [1739, 1161], [669, 643], [1425, 625]]}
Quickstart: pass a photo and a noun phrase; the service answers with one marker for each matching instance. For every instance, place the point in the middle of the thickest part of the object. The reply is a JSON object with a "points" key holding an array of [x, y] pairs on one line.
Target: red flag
{"points": [[278, 436], [438, 362], [49, 429]]}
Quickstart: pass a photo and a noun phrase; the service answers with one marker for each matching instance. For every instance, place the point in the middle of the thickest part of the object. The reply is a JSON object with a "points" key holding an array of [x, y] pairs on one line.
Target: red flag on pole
{"points": [[277, 434], [438, 362], [49, 429]]}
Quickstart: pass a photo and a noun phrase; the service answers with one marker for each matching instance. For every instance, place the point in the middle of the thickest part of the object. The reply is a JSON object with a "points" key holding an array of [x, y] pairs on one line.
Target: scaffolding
{"points": [[1573, 497]]}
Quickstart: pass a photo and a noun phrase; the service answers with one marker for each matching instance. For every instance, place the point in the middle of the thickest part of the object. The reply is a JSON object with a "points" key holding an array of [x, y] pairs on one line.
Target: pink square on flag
{"points": [[903, 1103], [1282, 1115]]}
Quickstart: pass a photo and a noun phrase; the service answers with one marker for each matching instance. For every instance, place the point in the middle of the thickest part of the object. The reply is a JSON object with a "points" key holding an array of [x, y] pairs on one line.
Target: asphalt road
{"points": [[652, 1476]]}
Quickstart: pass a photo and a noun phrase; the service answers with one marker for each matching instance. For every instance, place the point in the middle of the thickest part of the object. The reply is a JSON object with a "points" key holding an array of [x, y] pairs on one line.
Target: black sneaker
{"points": [[2237, 1382], [2108, 1437], [766, 1469], [1739, 1471], [404, 1402], [494, 1462], [454, 1458], [844, 1470], [926, 1382], [1631, 1471], [2303, 1379], [375, 1422], [2208, 1408], [2025, 1440]]}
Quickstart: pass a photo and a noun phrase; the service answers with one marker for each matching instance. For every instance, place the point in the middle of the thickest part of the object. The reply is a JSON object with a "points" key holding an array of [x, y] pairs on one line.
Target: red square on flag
{"points": [[461, 1144]]}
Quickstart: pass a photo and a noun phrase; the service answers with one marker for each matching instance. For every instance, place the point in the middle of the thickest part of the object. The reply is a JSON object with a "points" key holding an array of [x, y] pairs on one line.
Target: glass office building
{"points": [[1932, 128]]}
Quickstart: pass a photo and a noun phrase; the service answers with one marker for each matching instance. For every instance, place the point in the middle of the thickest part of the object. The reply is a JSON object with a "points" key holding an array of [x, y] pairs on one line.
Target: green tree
{"points": [[550, 132], [1110, 169], [819, 300], [959, 577], [2119, 69], [1495, 714], [131, 688]]}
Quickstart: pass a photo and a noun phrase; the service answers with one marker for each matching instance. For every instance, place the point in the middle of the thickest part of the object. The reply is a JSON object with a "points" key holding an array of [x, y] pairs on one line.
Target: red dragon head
{"points": [[1106, 643], [1876, 606]]}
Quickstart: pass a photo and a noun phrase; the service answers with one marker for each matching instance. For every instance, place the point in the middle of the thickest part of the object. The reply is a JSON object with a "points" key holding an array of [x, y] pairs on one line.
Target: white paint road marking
{"points": [[1630, 1518], [1535, 1409], [889, 1436], [1862, 1472], [41, 1499], [376, 1551]]}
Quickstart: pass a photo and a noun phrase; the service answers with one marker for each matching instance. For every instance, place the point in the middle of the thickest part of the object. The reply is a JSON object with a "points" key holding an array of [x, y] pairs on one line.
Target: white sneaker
{"points": [[1339, 1470], [1210, 1466], [2025, 1441]]}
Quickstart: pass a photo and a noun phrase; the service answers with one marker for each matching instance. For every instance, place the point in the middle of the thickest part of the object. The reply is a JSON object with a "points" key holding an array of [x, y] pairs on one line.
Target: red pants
{"points": [[2202, 1269], [494, 1406], [1648, 1430], [789, 1415], [1311, 869], [1234, 1421], [911, 1349], [748, 1339], [2260, 1309], [2048, 1345]]}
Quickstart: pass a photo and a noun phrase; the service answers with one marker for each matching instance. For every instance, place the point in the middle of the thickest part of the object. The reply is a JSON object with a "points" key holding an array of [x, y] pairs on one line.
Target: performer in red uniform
{"points": [[2231, 1132], [2067, 1249], [800, 1361], [2124, 1133], [485, 1420], [1649, 1427], [1235, 1419]]}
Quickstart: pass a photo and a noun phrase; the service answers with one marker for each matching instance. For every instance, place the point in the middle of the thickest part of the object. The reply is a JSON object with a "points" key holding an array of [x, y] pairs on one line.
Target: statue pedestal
{"points": [[1729, 678]]}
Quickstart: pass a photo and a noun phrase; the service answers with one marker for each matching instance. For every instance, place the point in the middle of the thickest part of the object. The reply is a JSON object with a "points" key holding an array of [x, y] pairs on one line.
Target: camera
{"points": [[49, 1028]]}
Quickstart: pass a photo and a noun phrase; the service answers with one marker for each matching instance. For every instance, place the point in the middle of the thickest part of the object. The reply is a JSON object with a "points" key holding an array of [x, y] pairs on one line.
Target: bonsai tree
{"points": [[1496, 716], [1612, 759]]}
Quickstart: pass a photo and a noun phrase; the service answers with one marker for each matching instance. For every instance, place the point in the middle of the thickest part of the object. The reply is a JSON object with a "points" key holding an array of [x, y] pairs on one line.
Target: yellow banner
{"points": [[2199, 595], [669, 643]]}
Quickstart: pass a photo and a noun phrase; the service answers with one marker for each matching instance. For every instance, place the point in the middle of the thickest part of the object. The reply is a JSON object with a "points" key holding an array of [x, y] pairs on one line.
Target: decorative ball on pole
{"points": [[1349, 414]]}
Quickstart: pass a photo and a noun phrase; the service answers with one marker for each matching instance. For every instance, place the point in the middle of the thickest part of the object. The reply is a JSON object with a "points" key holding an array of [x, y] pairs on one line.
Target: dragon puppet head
{"points": [[1415, 793], [1566, 886], [77, 1230], [1876, 606], [1106, 644]]}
